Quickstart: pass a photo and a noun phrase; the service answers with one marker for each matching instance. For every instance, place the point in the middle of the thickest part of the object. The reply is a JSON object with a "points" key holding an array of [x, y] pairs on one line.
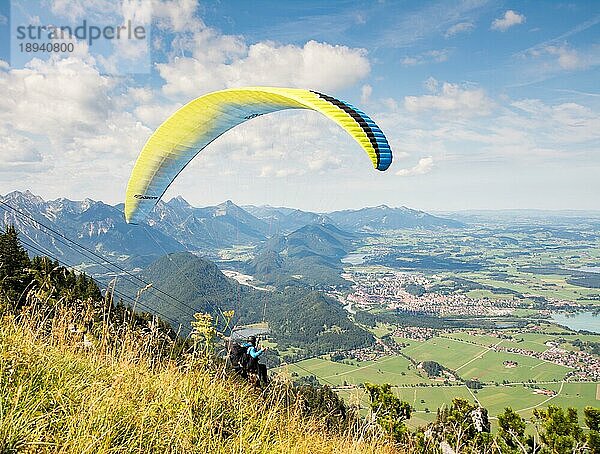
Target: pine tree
{"points": [[592, 420], [14, 265], [390, 412], [511, 432], [559, 429]]}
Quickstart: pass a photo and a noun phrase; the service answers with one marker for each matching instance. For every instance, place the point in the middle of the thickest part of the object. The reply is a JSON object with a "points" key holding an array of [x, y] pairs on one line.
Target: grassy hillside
{"points": [[57, 395], [309, 256], [200, 285], [298, 317]]}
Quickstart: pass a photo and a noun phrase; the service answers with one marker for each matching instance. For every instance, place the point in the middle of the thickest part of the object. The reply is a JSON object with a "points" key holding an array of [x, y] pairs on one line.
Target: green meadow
{"points": [[448, 352], [471, 356], [425, 400], [395, 370], [489, 367], [523, 399]]}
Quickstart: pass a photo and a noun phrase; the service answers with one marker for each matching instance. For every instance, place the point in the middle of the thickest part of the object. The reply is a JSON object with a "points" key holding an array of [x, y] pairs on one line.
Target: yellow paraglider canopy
{"points": [[191, 128]]}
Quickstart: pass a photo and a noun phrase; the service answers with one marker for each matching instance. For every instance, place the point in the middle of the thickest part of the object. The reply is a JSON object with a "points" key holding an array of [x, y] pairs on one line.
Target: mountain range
{"points": [[178, 226], [383, 217], [295, 251], [45, 227]]}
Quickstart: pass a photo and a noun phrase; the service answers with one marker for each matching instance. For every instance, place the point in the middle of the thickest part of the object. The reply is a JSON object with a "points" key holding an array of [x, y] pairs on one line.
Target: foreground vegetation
{"points": [[79, 373], [57, 395]]}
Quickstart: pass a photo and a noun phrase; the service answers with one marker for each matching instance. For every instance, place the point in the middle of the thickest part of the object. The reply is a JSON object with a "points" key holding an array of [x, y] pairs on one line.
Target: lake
{"points": [[590, 269], [578, 321], [354, 258]]}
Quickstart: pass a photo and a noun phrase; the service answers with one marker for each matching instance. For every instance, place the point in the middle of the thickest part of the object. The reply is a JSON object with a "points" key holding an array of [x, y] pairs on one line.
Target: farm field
{"points": [[490, 367], [526, 341], [570, 336], [448, 352], [578, 395], [458, 352], [529, 341], [424, 400], [455, 351], [550, 286], [523, 399], [394, 370], [469, 354], [476, 338], [406, 342], [495, 399]]}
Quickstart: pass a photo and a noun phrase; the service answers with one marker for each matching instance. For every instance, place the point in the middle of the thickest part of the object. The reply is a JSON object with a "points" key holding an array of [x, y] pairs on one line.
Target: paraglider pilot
{"points": [[254, 352]]}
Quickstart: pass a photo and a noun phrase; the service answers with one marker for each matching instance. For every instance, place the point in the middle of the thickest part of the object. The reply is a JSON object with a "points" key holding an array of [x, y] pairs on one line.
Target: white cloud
{"points": [[527, 131], [452, 98], [114, 56], [17, 151], [567, 58], [365, 93], [432, 56], [461, 27], [100, 10], [509, 19], [525, 135], [316, 162], [390, 104], [72, 10], [221, 61], [55, 98], [422, 167], [549, 59], [557, 125], [153, 113], [427, 20], [202, 60], [359, 18], [324, 160], [270, 171], [176, 16], [65, 119], [431, 84]]}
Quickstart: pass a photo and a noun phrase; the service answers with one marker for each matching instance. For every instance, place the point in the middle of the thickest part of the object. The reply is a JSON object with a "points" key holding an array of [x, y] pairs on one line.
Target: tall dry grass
{"points": [[57, 395]]}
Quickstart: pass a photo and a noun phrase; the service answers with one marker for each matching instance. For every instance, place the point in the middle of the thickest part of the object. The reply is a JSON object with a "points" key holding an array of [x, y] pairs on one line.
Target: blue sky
{"points": [[487, 104], [393, 32]]}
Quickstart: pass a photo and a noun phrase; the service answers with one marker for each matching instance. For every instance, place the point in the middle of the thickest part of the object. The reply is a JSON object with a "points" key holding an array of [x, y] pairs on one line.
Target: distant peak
{"points": [[27, 195], [227, 203], [179, 202]]}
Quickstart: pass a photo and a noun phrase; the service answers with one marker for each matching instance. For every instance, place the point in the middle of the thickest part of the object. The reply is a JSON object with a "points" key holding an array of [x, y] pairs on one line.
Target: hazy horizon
{"points": [[258, 204]]}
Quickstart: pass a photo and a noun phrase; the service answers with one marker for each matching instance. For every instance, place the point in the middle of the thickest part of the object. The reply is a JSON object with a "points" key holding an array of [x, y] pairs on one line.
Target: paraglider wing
{"points": [[191, 128]]}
